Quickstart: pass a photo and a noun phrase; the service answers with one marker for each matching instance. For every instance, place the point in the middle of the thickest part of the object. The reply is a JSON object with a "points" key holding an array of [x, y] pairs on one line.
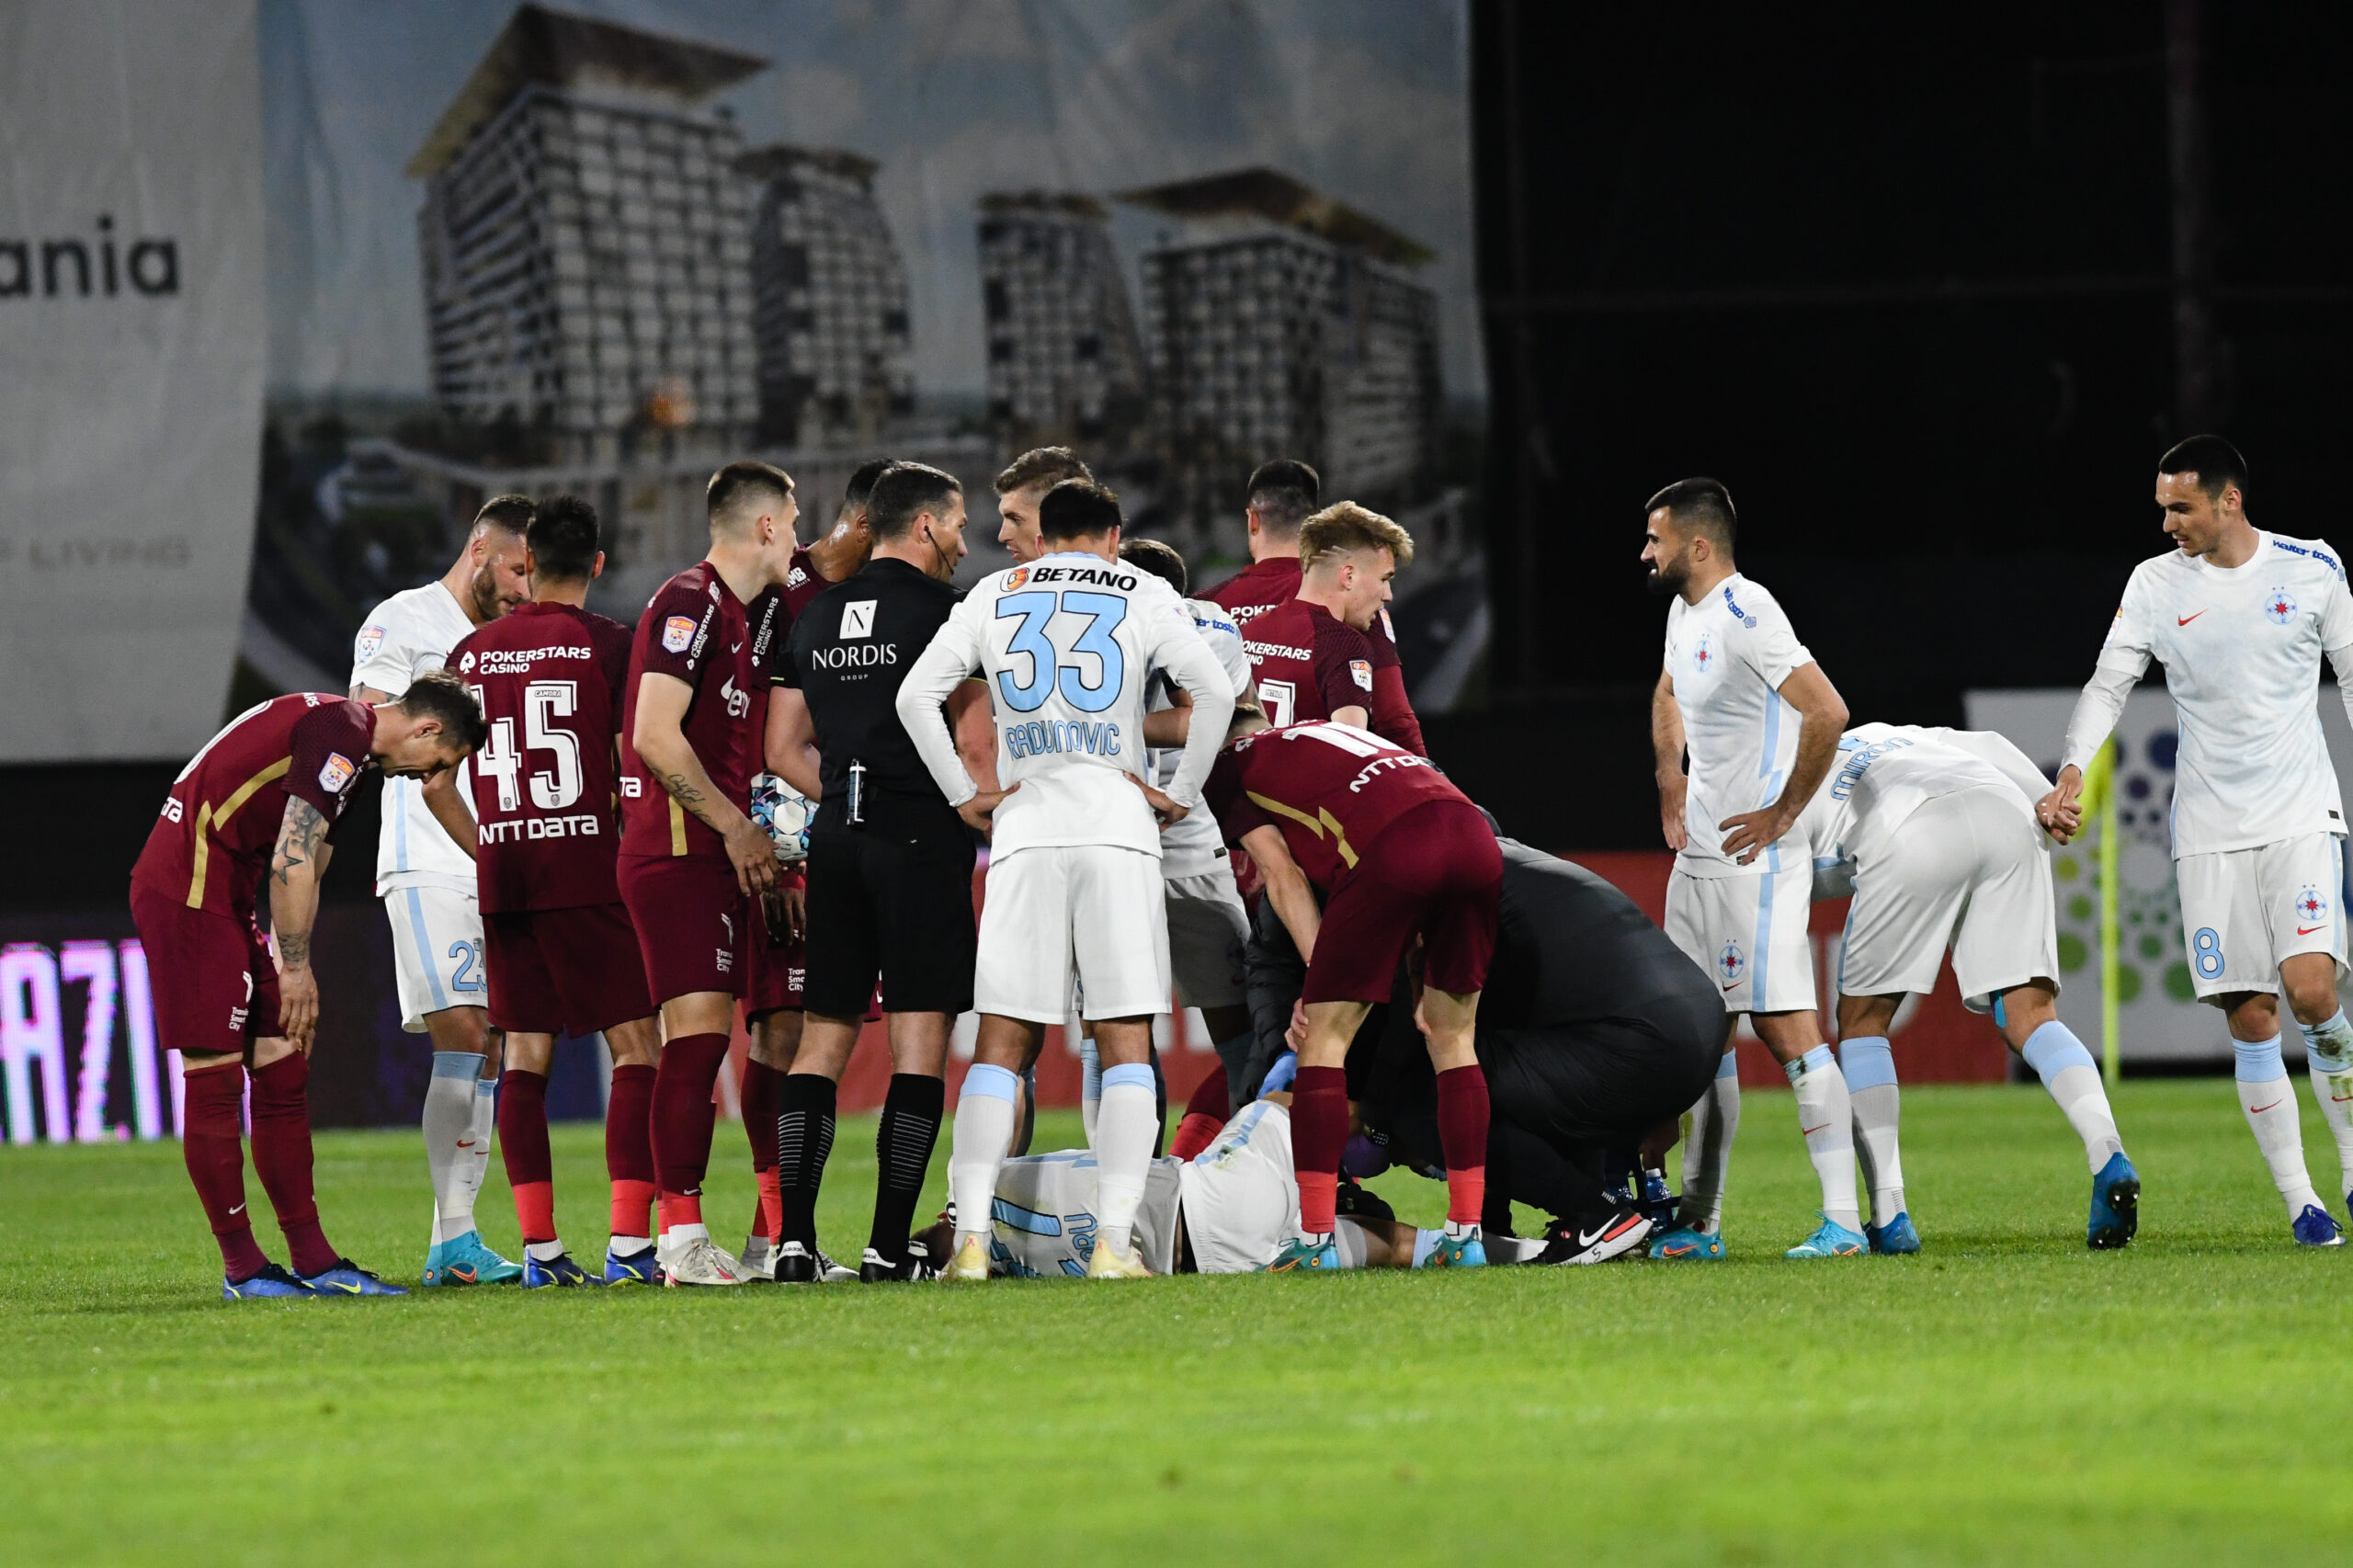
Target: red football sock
{"points": [[523, 1142], [282, 1159], [767, 1214], [683, 1117], [210, 1144], [1462, 1136], [629, 1149], [760, 1097], [1319, 1135]]}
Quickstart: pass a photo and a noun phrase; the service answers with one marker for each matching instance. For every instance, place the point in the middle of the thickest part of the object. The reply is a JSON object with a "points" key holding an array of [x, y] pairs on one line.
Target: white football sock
{"points": [[2267, 1095], [1123, 1137], [983, 1130], [2329, 1049], [1090, 1086], [1826, 1118], [1707, 1154], [475, 1165], [2066, 1070], [1869, 1067], [448, 1126]]}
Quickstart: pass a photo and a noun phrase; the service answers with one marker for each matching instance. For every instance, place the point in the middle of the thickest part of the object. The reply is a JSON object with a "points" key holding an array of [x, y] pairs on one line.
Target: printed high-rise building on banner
{"points": [[829, 299], [1065, 365], [584, 242], [1282, 322]]}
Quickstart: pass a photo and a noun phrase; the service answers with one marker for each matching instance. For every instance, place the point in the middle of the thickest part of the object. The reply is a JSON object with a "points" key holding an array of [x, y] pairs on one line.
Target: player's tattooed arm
{"points": [[295, 865], [661, 741], [1666, 743]]}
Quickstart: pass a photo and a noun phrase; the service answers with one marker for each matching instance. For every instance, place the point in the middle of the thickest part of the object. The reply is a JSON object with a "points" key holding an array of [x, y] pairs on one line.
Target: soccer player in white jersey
{"points": [[1933, 833], [2240, 619], [1760, 721], [427, 884], [1070, 646]]}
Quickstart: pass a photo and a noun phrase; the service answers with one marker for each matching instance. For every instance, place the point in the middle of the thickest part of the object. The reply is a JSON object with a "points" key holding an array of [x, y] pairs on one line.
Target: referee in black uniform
{"points": [[890, 862]]}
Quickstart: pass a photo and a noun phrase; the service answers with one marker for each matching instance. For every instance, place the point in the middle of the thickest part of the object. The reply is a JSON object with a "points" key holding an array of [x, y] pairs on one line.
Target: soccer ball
{"points": [[783, 814]]}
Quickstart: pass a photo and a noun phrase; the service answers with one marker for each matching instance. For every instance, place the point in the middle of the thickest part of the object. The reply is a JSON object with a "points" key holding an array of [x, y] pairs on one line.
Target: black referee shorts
{"points": [[894, 902]]}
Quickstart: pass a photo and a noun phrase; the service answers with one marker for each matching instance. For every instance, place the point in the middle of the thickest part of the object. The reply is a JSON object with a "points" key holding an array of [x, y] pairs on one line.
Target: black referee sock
{"points": [[903, 1146], [804, 1137]]}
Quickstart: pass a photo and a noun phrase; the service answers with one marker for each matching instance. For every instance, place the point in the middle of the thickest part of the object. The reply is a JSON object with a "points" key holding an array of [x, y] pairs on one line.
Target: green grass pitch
{"points": [[2005, 1398]]}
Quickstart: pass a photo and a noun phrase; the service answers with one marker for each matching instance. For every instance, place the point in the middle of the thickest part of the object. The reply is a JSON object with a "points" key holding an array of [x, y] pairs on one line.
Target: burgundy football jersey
{"points": [[694, 629], [549, 679], [802, 584], [769, 617], [1331, 789], [1309, 662], [1258, 588], [213, 842]]}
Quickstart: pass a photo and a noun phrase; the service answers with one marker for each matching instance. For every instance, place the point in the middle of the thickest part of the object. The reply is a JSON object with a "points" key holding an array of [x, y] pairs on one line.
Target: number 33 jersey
{"points": [[1069, 645], [549, 679]]}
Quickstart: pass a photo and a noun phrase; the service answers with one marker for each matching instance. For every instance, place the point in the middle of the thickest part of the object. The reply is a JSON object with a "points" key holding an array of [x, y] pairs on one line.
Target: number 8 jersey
{"points": [[549, 679], [1068, 645]]}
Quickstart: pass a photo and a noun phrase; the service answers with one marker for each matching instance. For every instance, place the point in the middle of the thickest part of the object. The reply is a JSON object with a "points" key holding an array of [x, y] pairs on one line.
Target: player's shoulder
{"points": [[412, 618], [1747, 603], [1213, 620], [2312, 554]]}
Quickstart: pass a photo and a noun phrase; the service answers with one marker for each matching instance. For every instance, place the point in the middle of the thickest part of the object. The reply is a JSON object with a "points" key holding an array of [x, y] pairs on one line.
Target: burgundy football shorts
{"points": [[692, 923], [214, 980], [1437, 872], [777, 969], [564, 970]]}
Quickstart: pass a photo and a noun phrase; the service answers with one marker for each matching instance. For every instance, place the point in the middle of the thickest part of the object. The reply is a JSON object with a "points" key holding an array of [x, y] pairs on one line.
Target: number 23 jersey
{"points": [[549, 679]]}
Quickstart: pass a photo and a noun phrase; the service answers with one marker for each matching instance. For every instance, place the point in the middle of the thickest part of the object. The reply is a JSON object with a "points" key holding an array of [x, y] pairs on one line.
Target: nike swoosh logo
{"points": [[238, 1210], [1584, 1240], [1731, 984], [738, 647], [2308, 930], [2258, 1110], [2185, 620], [465, 1142], [335, 1285], [1805, 1131]]}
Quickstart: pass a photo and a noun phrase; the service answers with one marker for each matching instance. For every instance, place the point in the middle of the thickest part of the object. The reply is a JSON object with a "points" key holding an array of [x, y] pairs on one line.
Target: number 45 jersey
{"points": [[1069, 646], [549, 679]]}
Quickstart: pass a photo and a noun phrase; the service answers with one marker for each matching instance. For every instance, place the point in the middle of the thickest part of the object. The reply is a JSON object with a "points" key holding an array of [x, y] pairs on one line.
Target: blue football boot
{"points": [[1683, 1245], [637, 1268], [465, 1260], [271, 1281], [559, 1270], [1303, 1254], [1832, 1240], [1895, 1238], [1458, 1252], [2116, 1204], [348, 1279], [2315, 1227]]}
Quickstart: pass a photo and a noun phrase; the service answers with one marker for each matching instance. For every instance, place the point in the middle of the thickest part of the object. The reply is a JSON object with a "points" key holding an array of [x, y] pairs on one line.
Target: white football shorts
{"points": [[1207, 929], [1241, 1201], [1966, 870], [437, 951], [1749, 932], [2244, 909], [1054, 912]]}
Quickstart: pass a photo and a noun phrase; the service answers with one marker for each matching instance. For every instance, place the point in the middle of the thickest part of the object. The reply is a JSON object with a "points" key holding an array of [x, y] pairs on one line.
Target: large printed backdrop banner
{"points": [[132, 348]]}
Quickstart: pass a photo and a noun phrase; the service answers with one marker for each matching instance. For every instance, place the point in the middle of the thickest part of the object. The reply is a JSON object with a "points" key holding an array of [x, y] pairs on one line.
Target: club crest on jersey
{"points": [[335, 773], [2280, 606], [1361, 671], [370, 638], [677, 633], [1732, 965], [2311, 908], [1703, 657]]}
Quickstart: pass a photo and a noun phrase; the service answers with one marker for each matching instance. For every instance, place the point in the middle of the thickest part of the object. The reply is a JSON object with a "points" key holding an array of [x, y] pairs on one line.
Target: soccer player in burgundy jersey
{"points": [[1400, 854], [1325, 654], [691, 860], [262, 798], [560, 954], [1021, 487], [1282, 493], [778, 948]]}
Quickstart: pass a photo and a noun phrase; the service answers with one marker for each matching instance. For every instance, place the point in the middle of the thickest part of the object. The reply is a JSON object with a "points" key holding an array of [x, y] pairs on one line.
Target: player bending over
{"points": [[559, 951], [261, 801], [1070, 646], [691, 859], [1402, 855], [1761, 723], [1932, 831], [2240, 619]]}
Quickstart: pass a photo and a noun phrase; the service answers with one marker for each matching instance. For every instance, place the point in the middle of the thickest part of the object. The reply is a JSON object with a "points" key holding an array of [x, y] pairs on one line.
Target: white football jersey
{"points": [[1070, 646], [2242, 649], [1192, 847], [1728, 655], [1044, 1215], [1885, 772], [405, 637]]}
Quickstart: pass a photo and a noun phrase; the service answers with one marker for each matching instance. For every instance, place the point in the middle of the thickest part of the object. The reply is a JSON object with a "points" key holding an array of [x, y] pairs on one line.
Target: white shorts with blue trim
{"points": [[1053, 915], [437, 951], [1967, 870], [1749, 932], [2244, 909]]}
